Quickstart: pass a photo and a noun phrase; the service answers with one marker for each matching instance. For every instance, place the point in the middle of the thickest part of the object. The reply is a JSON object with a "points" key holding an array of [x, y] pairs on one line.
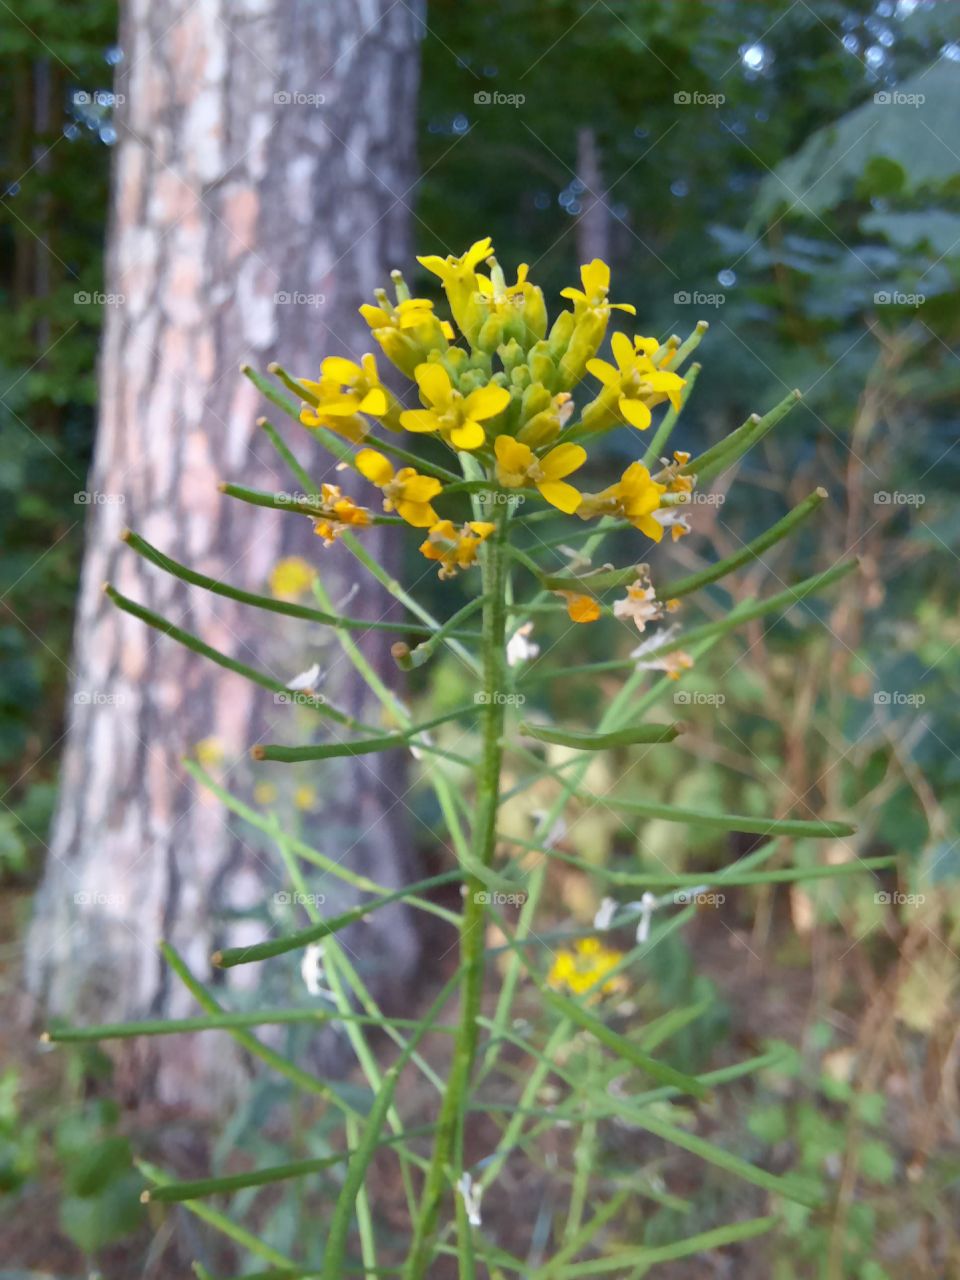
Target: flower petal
{"points": [[421, 489], [469, 435], [434, 383], [560, 461], [486, 401], [419, 420], [373, 466], [512, 455], [604, 372], [374, 402], [623, 352], [340, 369], [420, 514], [635, 412], [561, 495]]}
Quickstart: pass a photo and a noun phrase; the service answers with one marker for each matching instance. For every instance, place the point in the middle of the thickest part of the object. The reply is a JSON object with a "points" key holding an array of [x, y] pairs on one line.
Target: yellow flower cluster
{"points": [[585, 967], [496, 382]]}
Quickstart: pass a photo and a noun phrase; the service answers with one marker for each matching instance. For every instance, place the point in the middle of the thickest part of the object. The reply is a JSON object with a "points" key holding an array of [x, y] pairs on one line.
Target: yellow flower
{"points": [[634, 497], [518, 465], [460, 284], [304, 797], [264, 793], [455, 416], [595, 278], [633, 386], [340, 512], [291, 578], [510, 311], [407, 332], [580, 608], [584, 969], [345, 390], [404, 490], [209, 752], [455, 548]]}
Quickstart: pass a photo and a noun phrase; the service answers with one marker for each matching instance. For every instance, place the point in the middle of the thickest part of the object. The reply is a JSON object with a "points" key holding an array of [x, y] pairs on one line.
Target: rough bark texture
{"points": [[266, 149]]}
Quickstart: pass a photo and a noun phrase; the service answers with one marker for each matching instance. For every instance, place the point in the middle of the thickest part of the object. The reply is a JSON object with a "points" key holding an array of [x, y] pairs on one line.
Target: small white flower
{"points": [[519, 648], [647, 904], [654, 642], [605, 913], [557, 832], [471, 1194], [639, 604], [306, 679], [311, 969]]}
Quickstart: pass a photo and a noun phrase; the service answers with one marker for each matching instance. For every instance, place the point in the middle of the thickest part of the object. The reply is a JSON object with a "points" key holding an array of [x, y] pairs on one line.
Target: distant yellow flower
{"points": [[291, 578], [455, 548], [304, 797], [340, 513], [633, 386], [518, 465], [264, 793], [455, 416], [209, 752], [580, 608], [634, 497], [345, 390], [595, 278], [584, 968], [404, 490]]}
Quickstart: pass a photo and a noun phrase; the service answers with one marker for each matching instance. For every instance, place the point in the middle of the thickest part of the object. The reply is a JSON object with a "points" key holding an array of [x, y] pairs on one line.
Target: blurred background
{"points": [[186, 187]]}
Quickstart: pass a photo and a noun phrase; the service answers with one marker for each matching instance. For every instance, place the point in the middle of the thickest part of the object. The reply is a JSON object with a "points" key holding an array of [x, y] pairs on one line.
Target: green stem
{"points": [[472, 930]]}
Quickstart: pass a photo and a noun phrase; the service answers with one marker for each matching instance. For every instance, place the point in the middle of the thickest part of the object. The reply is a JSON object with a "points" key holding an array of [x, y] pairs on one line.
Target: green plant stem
{"points": [[472, 930]]}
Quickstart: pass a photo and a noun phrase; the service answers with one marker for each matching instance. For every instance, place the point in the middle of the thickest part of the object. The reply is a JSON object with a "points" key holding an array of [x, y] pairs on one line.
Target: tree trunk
{"points": [[265, 149]]}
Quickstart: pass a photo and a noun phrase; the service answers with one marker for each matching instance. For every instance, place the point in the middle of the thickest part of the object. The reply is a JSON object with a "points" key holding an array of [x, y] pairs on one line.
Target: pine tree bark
{"points": [[265, 151]]}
